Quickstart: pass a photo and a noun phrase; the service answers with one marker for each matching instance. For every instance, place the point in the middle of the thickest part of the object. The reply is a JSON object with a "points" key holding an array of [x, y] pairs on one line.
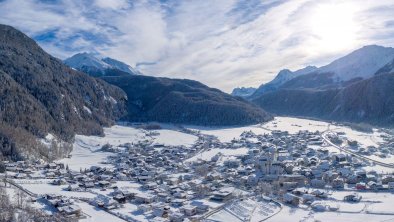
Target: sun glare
{"points": [[333, 26]]}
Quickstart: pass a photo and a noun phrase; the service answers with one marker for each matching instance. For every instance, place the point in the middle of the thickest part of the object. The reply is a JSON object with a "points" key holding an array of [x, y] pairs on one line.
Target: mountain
{"points": [[361, 64], [96, 66], [283, 76], [40, 95], [184, 101], [368, 101], [388, 68], [354, 88], [243, 91]]}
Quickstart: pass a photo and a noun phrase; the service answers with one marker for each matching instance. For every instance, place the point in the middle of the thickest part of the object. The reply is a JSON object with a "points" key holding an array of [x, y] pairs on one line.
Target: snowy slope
{"points": [[86, 59], [286, 75], [115, 64], [364, 63], [90, 62], [361, 63], [243, 91], [283, 76]]}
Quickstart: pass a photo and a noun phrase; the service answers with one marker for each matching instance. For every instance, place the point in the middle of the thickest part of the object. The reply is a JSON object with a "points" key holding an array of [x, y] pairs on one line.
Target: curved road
{"points": [[324, 136]]}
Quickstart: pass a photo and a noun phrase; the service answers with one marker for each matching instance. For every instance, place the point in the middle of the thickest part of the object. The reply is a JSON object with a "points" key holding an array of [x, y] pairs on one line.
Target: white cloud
{"points": [[112, 4], [223, 43]]}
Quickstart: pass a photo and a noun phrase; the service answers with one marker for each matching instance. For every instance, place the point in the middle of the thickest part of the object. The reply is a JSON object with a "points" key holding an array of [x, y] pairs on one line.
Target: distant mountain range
{"points": [[96, 66], [40, 95], [282, 77], [353, 88], [243, 92], [169, 100]]}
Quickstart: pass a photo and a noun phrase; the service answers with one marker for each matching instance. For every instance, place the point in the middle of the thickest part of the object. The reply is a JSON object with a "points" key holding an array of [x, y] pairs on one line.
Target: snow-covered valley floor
{"points": [[89, 151]]}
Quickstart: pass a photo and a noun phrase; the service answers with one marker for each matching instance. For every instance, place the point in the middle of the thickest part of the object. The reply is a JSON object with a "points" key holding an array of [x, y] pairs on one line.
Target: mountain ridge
{"points": [[96, 66], [58, 96], [184, 101], [362, 63]]}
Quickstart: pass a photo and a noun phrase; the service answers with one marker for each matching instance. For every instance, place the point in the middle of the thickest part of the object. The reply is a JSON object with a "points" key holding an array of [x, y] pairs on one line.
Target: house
{"points": [[222, 195], [318, 183], [70, 209], [52, 196], [289, 185], [52, 166], [177, 202], [320, 194], [371, 177], [160, 210], [106, 203], [104, 183], [232, 163], [308, 198], [120, 198], [361, 186], [88, 185], [391, 185], [202, 208], [144, 198], [340, 157], [20, 176], [387, 179], [189, 210], [59, 182], [144, 207], [176, 217], [72, 187], [127, 194], [299, 179], [374, 185], [352, 198], [318, 206], [338, 183], [352, 142], [291, 199]]}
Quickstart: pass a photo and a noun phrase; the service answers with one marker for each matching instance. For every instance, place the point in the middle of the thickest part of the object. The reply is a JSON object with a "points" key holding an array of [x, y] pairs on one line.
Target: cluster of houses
{"points": [[171, 187], [383, 150], [35, 170], [64, 205]]}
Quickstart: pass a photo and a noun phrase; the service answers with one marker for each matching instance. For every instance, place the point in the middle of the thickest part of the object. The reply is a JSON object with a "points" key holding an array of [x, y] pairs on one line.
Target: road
{"points": [[324, 136]]}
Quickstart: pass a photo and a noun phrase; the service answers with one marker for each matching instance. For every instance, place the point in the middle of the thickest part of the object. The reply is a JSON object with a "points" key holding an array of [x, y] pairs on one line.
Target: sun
{"points": [[333, 26]]}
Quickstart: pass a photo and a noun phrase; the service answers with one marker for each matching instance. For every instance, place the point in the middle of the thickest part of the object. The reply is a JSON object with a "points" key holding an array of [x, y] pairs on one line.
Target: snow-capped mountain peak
{"points": [[285, 74], [243, 91], [120, 65], [86, 59], [363, 62], [93, 63]]}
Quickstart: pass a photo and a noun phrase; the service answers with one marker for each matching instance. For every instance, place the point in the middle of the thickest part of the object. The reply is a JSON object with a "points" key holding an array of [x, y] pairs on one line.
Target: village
{"points": [[250, 178]]}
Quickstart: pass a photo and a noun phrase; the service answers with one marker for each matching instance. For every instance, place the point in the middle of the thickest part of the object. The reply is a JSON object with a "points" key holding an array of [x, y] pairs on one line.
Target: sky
{"points": [[222, 43]]}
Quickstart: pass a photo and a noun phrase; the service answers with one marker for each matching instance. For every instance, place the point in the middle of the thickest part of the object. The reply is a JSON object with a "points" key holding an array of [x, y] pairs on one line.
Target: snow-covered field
{"points": [[86, 149], [87, 152], [43, 187], [245, 210], [373, 207], [174, 138], [96, 214], [227, 134], [207, 155], [365, 139], [293, 125]]}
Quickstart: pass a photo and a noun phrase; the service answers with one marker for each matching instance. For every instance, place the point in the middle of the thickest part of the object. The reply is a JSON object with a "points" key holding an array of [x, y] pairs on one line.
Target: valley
{"points": [[263, 172]]}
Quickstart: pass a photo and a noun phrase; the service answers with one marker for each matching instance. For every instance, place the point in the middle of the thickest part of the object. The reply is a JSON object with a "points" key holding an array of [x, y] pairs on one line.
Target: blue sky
{"points": [[222, 43]]}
